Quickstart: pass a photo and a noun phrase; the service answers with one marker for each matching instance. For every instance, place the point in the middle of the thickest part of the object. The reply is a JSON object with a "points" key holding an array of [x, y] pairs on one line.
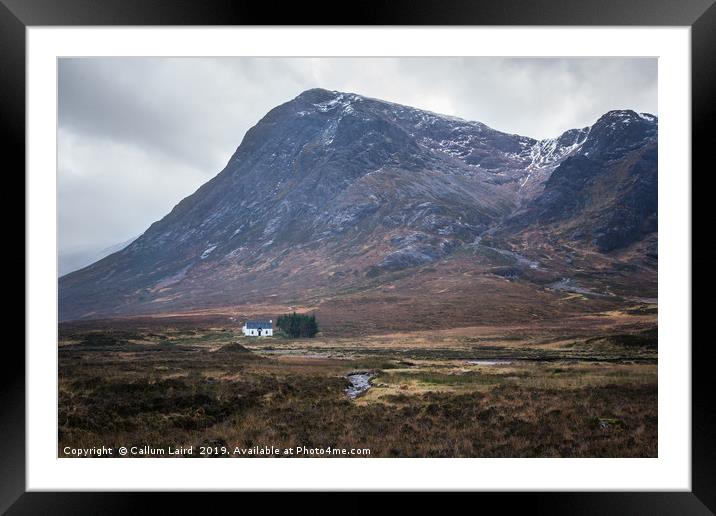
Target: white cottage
{"points": [[258, 328]]}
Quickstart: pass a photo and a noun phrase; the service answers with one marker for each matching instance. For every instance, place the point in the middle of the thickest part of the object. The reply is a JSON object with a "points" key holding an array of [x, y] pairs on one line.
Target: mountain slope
{"points": [[606, 192], [332, 190]]}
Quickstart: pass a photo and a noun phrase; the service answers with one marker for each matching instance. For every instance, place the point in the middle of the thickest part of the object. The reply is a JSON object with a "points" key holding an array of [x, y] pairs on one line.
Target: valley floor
{"points": [[583, 387]]}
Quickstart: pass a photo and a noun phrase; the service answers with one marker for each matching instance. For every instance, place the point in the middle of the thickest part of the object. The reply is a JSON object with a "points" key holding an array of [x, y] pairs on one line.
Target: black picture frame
{"points": [[17, 15]]}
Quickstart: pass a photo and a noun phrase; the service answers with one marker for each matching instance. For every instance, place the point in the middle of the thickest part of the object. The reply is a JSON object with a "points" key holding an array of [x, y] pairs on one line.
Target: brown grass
{"points": [[562, 395]]}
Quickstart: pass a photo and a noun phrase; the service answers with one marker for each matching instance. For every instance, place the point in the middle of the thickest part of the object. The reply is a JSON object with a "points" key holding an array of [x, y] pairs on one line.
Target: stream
{"points": [[491, 362], [360, 382]]}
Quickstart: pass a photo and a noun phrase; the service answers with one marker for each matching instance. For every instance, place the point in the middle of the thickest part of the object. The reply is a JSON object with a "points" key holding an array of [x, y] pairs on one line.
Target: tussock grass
{"points": [[169, 388]]}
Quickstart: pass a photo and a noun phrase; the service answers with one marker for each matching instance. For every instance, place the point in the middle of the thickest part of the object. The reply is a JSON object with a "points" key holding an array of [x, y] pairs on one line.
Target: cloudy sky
{"points": [[136, 135]]}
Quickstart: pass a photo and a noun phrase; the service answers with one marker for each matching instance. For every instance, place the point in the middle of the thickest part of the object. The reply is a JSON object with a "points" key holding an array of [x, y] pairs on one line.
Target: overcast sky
{"points": [[136, 135]]}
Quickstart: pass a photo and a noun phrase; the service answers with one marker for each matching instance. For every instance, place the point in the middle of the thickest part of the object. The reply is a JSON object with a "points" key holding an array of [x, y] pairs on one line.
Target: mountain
{"points": [[606, 192], [334, 194]]}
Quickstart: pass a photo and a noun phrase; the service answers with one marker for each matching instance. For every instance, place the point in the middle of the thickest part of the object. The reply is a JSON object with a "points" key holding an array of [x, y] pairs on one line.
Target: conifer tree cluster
{"points": [[297, 325]]}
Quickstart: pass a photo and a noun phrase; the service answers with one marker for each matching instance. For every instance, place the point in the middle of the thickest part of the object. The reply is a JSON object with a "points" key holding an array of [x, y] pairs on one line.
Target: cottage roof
{"points": [[255, 325]]}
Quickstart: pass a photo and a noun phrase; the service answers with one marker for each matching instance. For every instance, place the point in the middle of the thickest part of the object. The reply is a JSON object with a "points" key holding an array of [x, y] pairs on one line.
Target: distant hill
{"points": [[75, 260]]}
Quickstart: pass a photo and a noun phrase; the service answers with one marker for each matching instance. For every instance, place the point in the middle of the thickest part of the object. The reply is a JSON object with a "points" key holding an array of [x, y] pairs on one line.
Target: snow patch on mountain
{"points": [[207, 252]]}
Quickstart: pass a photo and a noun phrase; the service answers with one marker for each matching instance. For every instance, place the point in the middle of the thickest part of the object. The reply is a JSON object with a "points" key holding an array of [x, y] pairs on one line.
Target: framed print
{"points": [[453, 242]]}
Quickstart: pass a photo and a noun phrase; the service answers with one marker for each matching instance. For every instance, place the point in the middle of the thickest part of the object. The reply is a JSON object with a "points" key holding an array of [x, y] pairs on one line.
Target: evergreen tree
{"points": [[298, 325]]}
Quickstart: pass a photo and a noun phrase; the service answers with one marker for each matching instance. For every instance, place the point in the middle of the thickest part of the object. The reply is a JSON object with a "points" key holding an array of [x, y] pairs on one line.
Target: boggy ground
{"points": [[545, 390]]}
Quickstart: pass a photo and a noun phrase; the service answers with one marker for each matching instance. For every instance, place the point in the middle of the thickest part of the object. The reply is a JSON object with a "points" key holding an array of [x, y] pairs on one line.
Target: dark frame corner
{"points": [[700, 15]]}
